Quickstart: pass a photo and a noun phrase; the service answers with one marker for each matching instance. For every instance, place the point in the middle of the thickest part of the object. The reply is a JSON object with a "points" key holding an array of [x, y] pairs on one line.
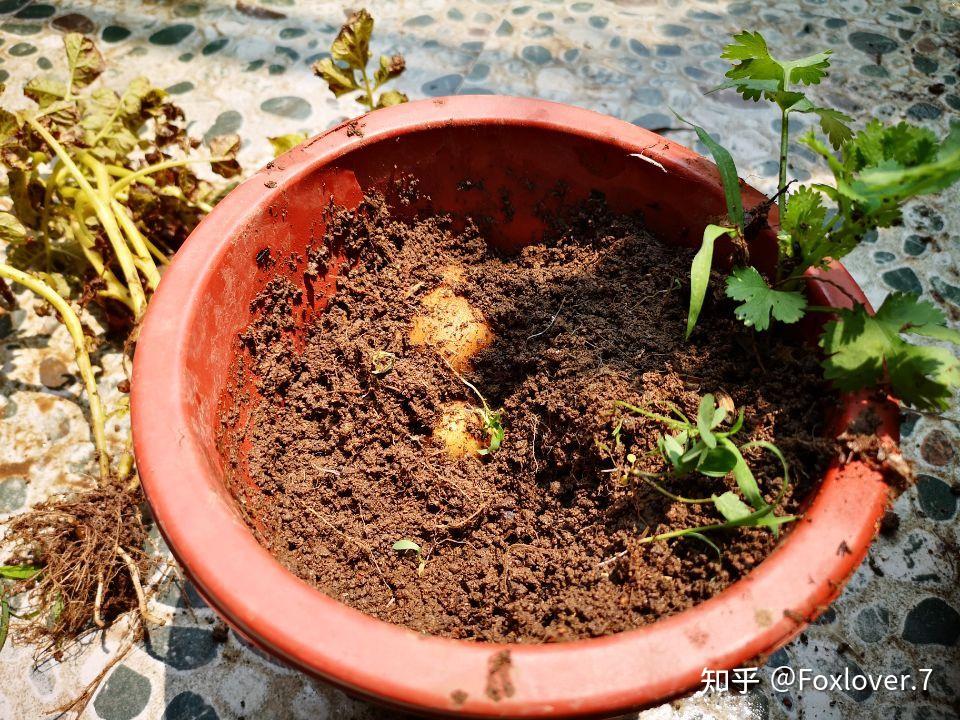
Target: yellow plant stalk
{"points": [[72, 323], [105, 216]]}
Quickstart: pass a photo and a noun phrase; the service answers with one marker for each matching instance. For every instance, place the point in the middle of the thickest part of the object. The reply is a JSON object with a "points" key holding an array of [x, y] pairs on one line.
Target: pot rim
{"points": [[394, 665]]}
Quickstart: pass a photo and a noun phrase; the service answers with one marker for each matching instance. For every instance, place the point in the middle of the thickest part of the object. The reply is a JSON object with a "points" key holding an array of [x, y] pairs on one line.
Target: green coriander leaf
{"points": [[755, 65], [809, 70], [924, 376], [731, 507], [834, 125], [352, 44], [805, 213], [700, 273], [756, 73], [864, 351], [760, 301], [890, 181], [804, 221], [746, 45]]}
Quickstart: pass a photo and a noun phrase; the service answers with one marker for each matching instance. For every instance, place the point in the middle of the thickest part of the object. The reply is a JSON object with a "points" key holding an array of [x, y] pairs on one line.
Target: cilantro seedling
{"points": [[407, 545], [491, 420], [875, 171], [706, 446]]}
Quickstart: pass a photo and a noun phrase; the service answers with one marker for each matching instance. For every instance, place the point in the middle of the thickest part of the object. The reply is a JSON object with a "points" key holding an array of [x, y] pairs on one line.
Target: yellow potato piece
{"points": [[452, 275], [453, 431], [452, 326]]}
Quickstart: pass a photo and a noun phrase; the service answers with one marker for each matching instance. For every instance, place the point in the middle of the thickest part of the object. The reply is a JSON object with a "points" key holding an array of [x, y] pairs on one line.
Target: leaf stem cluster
{"points": [[875, 170]]}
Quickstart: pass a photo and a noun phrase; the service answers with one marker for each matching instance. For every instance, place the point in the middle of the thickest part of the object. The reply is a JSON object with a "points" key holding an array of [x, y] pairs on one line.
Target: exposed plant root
{"points": [[138, 587], [91, 548], [97, 618], [76, 706]]}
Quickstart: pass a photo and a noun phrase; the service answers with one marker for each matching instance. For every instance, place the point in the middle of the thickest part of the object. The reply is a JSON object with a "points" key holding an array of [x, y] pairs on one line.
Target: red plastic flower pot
{"points": [[528, 149]]}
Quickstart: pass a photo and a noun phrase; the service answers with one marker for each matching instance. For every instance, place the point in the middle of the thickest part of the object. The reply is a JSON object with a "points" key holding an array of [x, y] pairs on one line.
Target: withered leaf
{"points": [[339, 80], [284, 143], [83, 59], [45, 90], [352, 44], [391, 97], [227, 147], [11, 230], [390, 67]]}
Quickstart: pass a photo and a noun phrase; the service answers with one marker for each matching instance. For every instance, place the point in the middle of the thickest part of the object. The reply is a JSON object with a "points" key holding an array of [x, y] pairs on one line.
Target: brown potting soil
{"points": [[539, 541]]}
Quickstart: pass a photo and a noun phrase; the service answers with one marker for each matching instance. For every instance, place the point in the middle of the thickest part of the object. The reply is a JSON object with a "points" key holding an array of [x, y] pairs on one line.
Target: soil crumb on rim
{"points": [[537, 542]]}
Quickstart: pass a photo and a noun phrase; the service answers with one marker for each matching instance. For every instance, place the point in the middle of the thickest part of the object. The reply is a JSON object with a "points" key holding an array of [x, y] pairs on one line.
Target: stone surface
{"points": [[246, 66], [124, 695]]}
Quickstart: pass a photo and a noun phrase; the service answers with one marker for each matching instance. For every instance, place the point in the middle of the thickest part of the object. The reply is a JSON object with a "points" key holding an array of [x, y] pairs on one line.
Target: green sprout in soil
{"points": [[707, 447], [407, 545], [490, 420], [876, 170], [118, 197], [345, 71]]}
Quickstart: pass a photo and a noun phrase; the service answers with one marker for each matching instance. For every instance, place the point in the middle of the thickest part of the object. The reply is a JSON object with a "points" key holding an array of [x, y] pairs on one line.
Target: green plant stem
{"points": [[368, 89], [136, 175], [115, 289], [648, 479], [469, 384], [106, 218], [784, 145], [72, 323], [52, 183], [745, 521], [145, 264], [139, 244], [676, 424]]}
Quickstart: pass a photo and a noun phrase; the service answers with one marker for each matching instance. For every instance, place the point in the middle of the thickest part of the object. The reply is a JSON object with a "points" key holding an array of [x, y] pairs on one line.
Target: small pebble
{"points": [[54, 373]]}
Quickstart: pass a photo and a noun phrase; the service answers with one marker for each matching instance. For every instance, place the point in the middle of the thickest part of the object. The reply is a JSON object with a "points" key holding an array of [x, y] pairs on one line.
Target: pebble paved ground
{"points": [[244, 67]]}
